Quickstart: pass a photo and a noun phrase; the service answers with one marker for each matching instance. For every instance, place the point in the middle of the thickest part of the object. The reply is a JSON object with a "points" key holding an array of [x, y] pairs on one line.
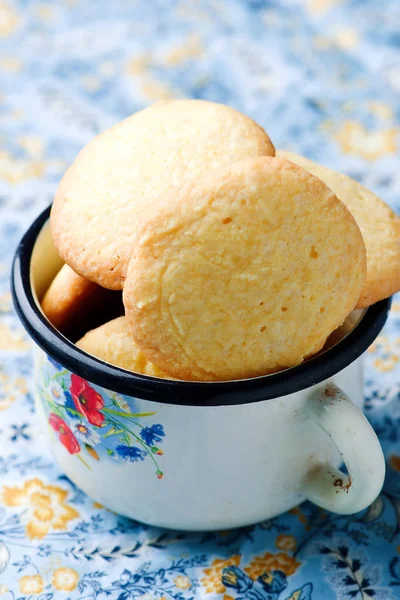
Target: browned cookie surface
{"points": [[243, 274], [126, 170]]}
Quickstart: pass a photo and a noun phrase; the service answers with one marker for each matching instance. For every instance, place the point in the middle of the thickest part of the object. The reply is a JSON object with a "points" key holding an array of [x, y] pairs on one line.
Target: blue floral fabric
{"points": [[323, 78]]}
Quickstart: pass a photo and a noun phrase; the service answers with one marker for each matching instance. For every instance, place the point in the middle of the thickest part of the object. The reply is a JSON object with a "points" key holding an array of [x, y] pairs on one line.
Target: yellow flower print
{"points": [[301, 516], [9, 20], [268, 562], [213, 580], [355, 139], [46, 507], [382, 342], [387, 363], [138, 65], [381, 110], [10, 64], [191, 48], [6, 402], [3, 589], [347, 38], [156, 90], [373, 347], [321, 6], [151, 88], [19, 384], [286, 542], [32, 144], [16, 170], [5, 302], [183, 582], [7, 394], [10, 389], [65, 580], [44, 12], [31, 584], [11, 340]]}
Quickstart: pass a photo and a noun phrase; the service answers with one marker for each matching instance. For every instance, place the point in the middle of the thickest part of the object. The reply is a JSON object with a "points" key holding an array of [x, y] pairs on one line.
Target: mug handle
{"points": [[356, 441]]}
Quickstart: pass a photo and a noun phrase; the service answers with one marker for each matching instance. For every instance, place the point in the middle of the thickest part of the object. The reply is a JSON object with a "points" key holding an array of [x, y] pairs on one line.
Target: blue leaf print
{"points": [[159, 578], [44, 550], [126, 577], [304, 593], [125, 596], [394, 569], [356, 565]]}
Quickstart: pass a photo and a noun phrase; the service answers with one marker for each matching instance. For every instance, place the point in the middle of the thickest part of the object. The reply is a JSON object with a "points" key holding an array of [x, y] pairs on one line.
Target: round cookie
{"points": [[72, 302], [64, 295], [379, 225], [243, 274], [121, 172], [113, 344]]}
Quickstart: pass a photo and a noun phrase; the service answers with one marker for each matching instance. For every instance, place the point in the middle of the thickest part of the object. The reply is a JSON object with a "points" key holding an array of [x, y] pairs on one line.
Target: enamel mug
{"points": [[202, 456]]}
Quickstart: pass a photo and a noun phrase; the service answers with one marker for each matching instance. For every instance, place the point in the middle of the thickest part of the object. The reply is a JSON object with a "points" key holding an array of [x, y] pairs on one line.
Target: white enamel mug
{"points": [[202, 456]]}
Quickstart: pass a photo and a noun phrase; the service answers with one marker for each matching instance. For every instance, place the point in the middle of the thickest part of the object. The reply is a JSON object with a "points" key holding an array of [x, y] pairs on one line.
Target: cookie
{"points": [[244, 274], [113, 344], [73, 303], [379, 225], [126, 169]]}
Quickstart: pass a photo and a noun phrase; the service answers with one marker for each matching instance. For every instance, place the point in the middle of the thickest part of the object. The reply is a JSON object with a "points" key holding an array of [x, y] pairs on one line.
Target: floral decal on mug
{"points": [[94, 423]]}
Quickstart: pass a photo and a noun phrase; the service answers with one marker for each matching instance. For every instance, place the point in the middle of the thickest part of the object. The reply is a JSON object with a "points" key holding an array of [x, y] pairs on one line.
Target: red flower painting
{"points": [[66, 436], [87, 401], [96, 424]]}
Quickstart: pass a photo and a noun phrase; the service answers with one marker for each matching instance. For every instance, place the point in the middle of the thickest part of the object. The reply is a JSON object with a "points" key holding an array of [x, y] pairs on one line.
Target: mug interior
{"points": [[37, 262], [45, 264]]}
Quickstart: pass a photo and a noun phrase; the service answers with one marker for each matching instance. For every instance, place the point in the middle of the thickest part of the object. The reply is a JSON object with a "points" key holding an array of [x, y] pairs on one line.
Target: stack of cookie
{"points": [[235, 261]]}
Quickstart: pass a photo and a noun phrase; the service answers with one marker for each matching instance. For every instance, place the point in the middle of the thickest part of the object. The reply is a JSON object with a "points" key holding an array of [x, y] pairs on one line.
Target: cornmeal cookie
{"points": [[243, 274], [379, 225], [127, 168], [113, 344], [71, 302]]}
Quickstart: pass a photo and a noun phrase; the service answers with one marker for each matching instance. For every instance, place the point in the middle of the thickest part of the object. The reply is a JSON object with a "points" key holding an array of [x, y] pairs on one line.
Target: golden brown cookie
{"points": [[126, 169], [379, 225], [113, 343], [72, 303], [243, 274]]}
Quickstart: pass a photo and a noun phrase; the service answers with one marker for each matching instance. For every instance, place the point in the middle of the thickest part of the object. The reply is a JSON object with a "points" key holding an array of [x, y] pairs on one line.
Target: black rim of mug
{"points": [[183, 393]]}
